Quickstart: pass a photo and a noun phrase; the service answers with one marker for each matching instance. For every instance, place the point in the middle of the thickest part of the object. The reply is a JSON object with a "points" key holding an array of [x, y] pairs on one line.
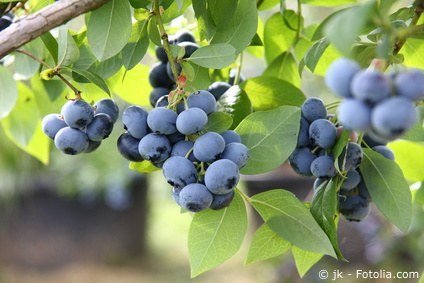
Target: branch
{"points": [[34, 25]]}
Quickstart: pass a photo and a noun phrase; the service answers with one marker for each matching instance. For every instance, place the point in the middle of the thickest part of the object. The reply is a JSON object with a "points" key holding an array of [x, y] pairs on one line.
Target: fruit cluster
{"points": [[378, 104], [203, 167], [313, 156], [81, 127]]}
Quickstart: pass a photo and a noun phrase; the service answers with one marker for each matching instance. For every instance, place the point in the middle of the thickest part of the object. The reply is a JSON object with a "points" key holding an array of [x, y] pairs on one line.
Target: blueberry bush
{"points": [[191, 113]]}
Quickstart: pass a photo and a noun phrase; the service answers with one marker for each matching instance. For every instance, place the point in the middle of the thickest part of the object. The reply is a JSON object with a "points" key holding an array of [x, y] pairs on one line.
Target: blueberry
{"points": [[222, 176], [77, 113], [162, 120], [195, 197], [385, 151], [370, 86], [221, 201], [107, 106], [339, 76], [231, 136], [218, 89], [100, 128], [161, 54], [410, 84], [208, 147], [51, 124], [179, 171], [181, 148], [156, 94], [155, 147], [323, 133], [71, 141], [189, 48], [354, 208], [352, 157], [162, 102], [301, 160], [191, 121], [176, 137], [352, 180], [313, 109], [184, 35], [317, 184], [158, 76], [363, 190], [303, 137], [92, 146], [135, 121], [393, 117], [354, 115], [236, 152], [202, 99], [128, 147], [323, 167]]}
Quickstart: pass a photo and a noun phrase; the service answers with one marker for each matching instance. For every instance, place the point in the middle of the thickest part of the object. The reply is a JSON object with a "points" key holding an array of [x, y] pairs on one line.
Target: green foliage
{"points": [[143, 167], [304, 260], [270, 136], [215, 56], [215, 236], [410, 158], [8, 92], [284, 67], [218, 122], [236, 103], [137, 45], [388, 188]]}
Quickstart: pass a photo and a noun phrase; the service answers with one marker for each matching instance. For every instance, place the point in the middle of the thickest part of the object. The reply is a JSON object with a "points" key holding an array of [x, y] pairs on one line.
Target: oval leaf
{"points": [[94, 78], [143, 167], [215, 56], [68, 51], [8, 92], [236, 103], [218, 122]]}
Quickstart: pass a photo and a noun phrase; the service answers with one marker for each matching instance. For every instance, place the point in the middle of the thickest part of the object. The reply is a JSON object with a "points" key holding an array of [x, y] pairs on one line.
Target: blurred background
{"points": [[91, 219]]}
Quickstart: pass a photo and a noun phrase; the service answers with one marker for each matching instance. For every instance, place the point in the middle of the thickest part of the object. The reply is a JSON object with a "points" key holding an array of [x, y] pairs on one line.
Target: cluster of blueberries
{"points": [[80, 127], [318, 135], [378, 104], [161, 77], [203, 167]]}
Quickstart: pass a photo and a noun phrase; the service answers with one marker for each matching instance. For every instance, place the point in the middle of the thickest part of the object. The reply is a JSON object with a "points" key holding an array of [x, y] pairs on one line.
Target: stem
{"points": [[55, 71], [164, 37], [243, 195], [299, 23], [238, 74], [419, 8]]}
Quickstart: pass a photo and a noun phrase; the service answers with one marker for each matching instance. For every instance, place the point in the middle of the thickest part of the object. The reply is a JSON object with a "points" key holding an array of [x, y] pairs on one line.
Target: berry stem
{"points": [[243, 195], [164, 37], [55, 71]]}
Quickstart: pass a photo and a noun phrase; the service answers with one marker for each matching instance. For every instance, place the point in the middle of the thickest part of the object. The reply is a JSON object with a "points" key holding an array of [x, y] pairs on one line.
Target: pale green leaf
{"points": [[304, 260], [410, 158], [8, 92], [215, 56]]}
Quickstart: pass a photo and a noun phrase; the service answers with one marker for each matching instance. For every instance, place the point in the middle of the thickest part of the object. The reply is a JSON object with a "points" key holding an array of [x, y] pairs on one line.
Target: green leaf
{"points": [[51, 45], [410, 158], [221, 11], [108, 67], [256, 41], [94, 78], [327, 3], [290, 219], [215, 56], [270, 136], [216, 235], [218, 122], [413, 53], [284, 67], [153, 32], [268, 93], [338, 148], [143, 167], [68, 51], [200, 78], [177, 51], [278, 36], [109, 29], [175, 10], [126, 85], [266, 244], [304, 260], [324, 210], [417, 132], [315, 53], [240, 28], [343, 35], [388, 188], [137, 46], [236, 103], [26, 67], [8, 92], [140, 3], [23, 126]]}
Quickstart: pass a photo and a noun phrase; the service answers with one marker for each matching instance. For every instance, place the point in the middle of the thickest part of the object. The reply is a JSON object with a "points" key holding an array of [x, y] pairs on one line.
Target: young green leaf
{"points": [[304, 260], [109, 29], [388, 188], [284, 67], [218, 122], [8, 92], [266, 244], [236, 103], [200, 77], [270, 136], [94, 78], [143, 167], [314, 53], [68, 51], [215, 56], [51, 45], [291, 220], [328, 3], [24, 66], [221, 11], [267, 93], [216, 235], [153, 32], [410, 158], [137, 46]]}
